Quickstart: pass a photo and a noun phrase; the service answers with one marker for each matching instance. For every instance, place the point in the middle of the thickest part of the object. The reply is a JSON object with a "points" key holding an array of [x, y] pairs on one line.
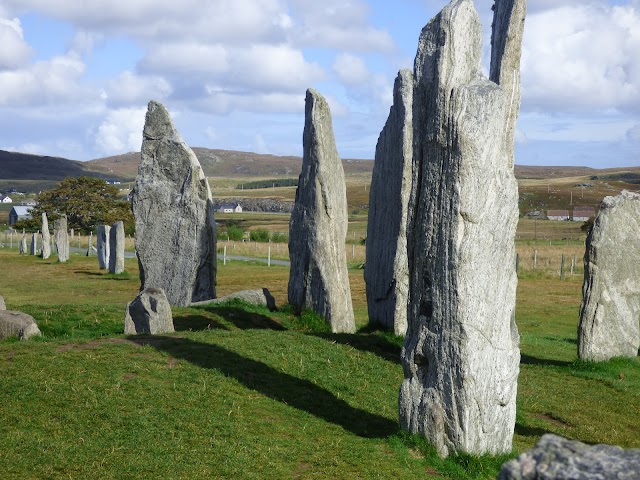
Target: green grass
{"points": [[242, 392]]}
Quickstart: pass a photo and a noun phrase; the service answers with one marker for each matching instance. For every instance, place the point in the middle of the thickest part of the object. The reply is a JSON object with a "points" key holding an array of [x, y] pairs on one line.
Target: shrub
{"points": [[259, 235]]}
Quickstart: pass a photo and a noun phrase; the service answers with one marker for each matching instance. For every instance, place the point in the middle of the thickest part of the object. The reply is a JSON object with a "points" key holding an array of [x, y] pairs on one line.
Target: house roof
{"points": [[22, 210], [590, 211], [558, 213]]}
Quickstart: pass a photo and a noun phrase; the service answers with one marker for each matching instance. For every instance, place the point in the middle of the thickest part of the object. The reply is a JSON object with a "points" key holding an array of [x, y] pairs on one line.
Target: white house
{"points": [[582, 214], [230, 208], [562, 215], [5, 199]]}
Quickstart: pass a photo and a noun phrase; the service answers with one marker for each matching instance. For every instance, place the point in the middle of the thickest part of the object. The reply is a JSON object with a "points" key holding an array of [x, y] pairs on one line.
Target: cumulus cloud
{"points": [[129, 88], [362, 84], [15, 52], [351, 69], [120, 131], [582, 57]]}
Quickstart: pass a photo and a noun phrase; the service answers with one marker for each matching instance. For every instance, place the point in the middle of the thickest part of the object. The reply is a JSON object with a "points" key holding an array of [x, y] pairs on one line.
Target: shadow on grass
{"points": [[186, 323], [366, 343], [527, 431], [92, 274], [529, 360], [243, 319], [292, 391]]}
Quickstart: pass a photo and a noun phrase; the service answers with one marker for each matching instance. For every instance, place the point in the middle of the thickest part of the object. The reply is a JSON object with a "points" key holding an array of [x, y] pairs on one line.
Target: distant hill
{"points": [[226, 163]]}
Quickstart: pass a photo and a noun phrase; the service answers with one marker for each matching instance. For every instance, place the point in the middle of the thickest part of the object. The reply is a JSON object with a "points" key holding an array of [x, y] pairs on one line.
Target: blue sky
{"points": [[75, 77]]}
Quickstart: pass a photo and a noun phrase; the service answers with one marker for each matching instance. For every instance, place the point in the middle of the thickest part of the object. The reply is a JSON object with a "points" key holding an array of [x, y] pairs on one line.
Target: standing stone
{"points": [[386, 270], [318, 277], [33, 250], [23, 243], [116, 248], [461, 356], [61, 238], [102, 237], [46, 237], [175, 228], [610, 312], [2, 304], [149, 313]]}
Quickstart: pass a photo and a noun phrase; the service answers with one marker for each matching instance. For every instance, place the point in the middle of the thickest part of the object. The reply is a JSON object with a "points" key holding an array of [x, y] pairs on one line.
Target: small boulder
{"points": [[17, 324], [555, 457], [149, 312], [261, 297]]}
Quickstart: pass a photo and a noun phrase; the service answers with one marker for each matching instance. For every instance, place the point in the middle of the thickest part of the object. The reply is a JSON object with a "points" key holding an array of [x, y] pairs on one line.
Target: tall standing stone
{"points": [[461, 356], [33, 249], [318, 277], [386, 270], [175, 228], [102, 240], [61, 238], [23, 243], [610, 313], [46, 237], [116, 248]]}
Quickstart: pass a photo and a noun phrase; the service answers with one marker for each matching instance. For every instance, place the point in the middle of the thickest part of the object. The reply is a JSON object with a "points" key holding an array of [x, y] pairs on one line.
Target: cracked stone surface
{"points": [[61, 238], [102, 245], [46, 237], [461, 352]]}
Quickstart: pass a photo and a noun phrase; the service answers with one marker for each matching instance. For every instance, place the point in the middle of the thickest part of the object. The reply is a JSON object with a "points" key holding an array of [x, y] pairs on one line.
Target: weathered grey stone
{"points": [[17, 324], [46, 237], [61, 238], [318, 277], [102, 240], [149, 312], [260, 297], [610, 312], [116, 248], [33, 248], [2, 304], [386, 271], [175, 228], [23, 244], [556, 458], [460, 356]]}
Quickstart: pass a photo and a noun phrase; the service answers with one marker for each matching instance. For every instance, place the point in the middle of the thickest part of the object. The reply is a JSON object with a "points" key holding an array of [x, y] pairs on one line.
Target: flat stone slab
{"points": [[149, 313], [261, 297]]}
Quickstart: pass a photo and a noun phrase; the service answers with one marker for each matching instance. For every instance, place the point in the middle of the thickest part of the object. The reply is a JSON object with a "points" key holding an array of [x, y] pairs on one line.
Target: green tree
{"points": [[87, 202]]}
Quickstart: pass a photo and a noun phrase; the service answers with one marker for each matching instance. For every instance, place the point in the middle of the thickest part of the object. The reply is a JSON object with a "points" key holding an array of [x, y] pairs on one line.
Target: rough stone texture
{"points": [[61, 237], [116, 248], [149, 312], [2, 304], [46, 237], [17, 324], [175, 228], [386, 270], [318, 277], [261, 297], [460, 356], [610, 312], [555, 458], [23, 244], [33, 248], [102, 240]]}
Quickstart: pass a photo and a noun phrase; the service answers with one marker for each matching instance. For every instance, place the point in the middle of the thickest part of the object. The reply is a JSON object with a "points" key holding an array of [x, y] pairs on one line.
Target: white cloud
{"points": [[362, 85], [633, 134], [15, 52], [582, 57], [351, 69], [129, 88], [121, 131]]}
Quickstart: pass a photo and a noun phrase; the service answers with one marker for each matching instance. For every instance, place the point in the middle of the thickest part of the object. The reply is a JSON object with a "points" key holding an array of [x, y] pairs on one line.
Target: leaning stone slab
{"points": [[116, 248], [46, 237], [149, 313], [461, 355], [318, 277], [61, 238], [386, 271], [17, 324], [610, 313], [102, 240], [260, 297], [175, 228], [555, 458]]}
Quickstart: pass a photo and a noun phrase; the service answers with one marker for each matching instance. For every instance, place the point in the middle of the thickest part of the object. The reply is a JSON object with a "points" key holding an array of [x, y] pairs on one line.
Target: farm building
{"points": [[19, 213], [230, 208], [5, 199], [582, 214], [562, 215]]}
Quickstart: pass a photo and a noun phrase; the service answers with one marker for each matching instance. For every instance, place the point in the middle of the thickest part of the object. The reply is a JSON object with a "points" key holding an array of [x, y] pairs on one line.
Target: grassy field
{"points": [[241, 392]]}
